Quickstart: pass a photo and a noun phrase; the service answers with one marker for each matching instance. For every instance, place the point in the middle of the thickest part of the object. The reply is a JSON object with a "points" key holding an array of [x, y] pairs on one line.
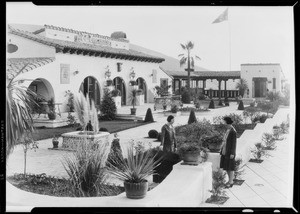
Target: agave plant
{"points": [[136, 168], [19, 100]]}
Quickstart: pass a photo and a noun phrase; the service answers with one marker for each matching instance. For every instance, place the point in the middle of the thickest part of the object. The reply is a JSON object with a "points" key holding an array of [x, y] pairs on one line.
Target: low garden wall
{"points": [[249, 138], [185, 186]]}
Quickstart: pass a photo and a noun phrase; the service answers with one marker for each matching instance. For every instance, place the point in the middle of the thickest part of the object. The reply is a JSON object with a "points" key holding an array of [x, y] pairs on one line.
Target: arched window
{"points": [[90, 87]]}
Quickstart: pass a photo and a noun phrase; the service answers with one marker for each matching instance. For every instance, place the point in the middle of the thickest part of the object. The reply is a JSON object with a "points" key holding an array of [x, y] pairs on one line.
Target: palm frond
{"points": [[190, 45], [182, 61], [192, 62], [180, 55], [197, 57], [183, 46], [18, 113]]}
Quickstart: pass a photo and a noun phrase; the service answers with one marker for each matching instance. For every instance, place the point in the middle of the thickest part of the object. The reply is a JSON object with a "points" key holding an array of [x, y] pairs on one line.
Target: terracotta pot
{"points": [[55, 143], [51, 116], [191, 157], [136, 190], [133, 111]]}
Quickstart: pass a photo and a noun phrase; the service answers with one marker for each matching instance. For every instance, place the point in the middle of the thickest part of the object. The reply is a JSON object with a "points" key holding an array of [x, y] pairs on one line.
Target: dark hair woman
{"points": [[168, 139], [228, 151]]}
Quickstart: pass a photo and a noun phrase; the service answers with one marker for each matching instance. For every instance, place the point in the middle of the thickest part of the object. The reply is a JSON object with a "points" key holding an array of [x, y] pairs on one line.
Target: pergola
{"points": [[205, 75]]}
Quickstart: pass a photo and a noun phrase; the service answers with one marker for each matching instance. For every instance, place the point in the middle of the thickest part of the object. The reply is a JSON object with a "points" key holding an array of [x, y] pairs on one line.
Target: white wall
{"points": [[28, 48], [95, 67], [248, 71]]}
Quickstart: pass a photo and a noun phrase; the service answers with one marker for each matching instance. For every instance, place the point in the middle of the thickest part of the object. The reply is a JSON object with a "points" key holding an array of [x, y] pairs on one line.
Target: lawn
{"points": [[112, 127]]}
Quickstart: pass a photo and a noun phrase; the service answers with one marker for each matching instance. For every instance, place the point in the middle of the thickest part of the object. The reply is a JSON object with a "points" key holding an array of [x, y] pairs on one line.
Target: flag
{"points": [[222, 17]]}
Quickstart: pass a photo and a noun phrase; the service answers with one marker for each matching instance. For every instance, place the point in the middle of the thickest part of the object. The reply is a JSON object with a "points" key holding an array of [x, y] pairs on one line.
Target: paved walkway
{"points": [[266, 184]]}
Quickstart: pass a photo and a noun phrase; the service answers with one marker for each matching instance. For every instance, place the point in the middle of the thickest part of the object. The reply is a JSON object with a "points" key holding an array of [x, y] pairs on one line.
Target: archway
{"points": [[42, 88], [44, 92], [260, 86], [90, 87], [142, 85], [119, 84]]}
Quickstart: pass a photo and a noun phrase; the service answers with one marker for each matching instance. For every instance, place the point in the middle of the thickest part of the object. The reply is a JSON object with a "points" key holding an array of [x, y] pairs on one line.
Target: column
{"points": [[219, 88], [225, 88]]}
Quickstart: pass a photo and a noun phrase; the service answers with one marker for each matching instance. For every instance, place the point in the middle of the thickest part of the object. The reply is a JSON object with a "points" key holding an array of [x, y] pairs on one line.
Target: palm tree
{"points": [[190, 60], [19, 120], [242, 86]]}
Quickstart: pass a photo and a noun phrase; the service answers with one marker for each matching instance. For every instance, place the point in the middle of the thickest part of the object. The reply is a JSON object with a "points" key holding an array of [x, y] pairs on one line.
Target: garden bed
{"points": [[52, 186], [112, 127], [240, 128]]}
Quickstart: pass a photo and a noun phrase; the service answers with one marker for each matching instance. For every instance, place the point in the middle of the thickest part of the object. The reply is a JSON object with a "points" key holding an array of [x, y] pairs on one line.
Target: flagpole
{"points": [[229, 42]]}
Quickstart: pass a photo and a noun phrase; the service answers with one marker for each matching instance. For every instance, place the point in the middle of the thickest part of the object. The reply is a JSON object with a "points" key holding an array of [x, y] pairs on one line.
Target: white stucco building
{"points": [[63, 59], [262, 78]]}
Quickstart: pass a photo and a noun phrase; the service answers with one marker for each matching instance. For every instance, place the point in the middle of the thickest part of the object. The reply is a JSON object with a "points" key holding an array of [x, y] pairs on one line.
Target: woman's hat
{"points": [[228, 120]]}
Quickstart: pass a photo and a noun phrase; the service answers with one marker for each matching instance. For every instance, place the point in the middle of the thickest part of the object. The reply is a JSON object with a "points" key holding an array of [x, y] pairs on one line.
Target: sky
{"points": [[251, 34]]}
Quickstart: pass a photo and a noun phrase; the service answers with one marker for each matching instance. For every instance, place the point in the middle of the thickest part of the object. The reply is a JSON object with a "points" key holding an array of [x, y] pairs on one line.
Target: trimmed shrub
{"points": [[226, 101], [102, 129], [115, 152], [108, 107], [211, 104], [149, 116], [220, 103], [153, 133], [185, 97], [192, 117], [236, 118], [241, 105], [174, 108]]}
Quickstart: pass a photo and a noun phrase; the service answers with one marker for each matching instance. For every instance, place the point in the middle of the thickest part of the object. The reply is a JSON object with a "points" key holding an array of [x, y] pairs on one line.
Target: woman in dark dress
{"points": [[168, 139], [228, 151]]}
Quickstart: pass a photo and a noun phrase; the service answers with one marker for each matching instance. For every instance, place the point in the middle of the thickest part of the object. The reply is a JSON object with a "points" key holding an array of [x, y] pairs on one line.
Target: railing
{"points": [[227, 93]]}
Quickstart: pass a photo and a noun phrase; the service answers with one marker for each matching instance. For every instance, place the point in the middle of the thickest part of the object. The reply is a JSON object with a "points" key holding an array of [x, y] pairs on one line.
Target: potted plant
{"points": [[133, 171], [109, 82], [238, 171], [218, 194], [55, 142], [276, 131], [133, 99], [191, 151], [51, 112], [212, 142], [258, 152], [269, 141], [132, 83]]}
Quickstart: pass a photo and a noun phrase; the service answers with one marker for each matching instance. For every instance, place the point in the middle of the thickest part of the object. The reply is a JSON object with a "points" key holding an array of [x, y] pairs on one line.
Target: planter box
{"points": [[140, 100], [71, 140], [214, 158], [167, 113], [117, 101]]}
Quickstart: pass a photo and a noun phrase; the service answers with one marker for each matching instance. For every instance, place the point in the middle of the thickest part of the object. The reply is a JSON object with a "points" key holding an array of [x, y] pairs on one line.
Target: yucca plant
{"points": [[136, 167], [19, 100], [86, 169]]}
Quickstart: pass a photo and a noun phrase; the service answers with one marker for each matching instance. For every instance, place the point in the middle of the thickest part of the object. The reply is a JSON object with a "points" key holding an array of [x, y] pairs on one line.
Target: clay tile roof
{"points": [[14, 65], [85, 47]]}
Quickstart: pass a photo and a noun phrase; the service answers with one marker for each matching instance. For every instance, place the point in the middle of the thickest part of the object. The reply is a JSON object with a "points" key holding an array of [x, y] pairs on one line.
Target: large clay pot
{"points": [[191, 157], [55, 143], [133, 111], [136, 190], [51, 116]]}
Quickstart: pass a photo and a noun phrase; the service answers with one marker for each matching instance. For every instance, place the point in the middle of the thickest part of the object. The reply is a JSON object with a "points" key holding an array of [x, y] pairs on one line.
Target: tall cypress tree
{"points": [[108, 107], [149, 116], [192, 117]]}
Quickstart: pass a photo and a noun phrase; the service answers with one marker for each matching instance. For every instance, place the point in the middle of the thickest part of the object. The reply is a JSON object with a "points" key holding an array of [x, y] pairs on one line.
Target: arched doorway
{"points": [[42, 88], [90, 86], [119, 84], [141, 83], [44, 92]]}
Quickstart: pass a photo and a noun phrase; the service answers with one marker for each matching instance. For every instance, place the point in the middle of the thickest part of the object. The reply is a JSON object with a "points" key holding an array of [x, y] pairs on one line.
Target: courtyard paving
{"points": [[267, 184]]}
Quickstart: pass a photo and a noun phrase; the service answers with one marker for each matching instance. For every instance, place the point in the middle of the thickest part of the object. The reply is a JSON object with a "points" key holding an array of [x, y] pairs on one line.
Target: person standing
{"points": [[228, 151], [168, 139]]}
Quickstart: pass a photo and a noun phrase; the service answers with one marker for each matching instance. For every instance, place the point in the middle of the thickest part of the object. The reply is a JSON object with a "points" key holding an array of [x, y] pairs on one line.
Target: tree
{"points": [[108, 107], [186, 57], [19, 121], [242, 86], [192, 117], [149, 116]]}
